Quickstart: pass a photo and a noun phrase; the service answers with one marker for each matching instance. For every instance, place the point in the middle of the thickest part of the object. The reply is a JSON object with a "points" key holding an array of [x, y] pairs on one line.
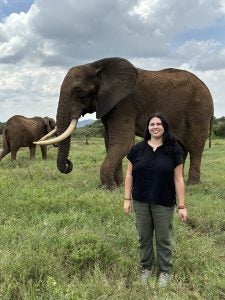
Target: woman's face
{"points": [[155, 127]]}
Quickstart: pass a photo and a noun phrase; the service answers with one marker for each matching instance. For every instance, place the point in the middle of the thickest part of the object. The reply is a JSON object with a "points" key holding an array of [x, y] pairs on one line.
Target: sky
{"points": [[41, 39]]}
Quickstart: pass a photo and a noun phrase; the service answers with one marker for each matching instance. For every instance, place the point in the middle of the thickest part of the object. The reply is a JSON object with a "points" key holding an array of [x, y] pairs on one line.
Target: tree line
{"points": [[1, 127], [96, 129], [219, 127]]}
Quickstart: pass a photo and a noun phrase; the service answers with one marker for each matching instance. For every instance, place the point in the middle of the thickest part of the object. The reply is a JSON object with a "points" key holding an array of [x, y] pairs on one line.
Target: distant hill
{"points": [[85, 122]]}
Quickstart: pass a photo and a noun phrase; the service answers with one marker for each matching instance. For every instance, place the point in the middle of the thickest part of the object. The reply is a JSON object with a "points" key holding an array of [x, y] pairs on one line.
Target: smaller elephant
{"points": [[20, 131]]}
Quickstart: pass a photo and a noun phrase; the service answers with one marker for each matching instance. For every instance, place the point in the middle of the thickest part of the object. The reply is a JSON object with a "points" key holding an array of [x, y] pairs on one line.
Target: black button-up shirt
{"points": [[153, 173]]}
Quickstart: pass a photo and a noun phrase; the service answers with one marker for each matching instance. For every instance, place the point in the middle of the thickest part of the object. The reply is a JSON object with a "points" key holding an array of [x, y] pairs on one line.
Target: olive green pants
{"points": [[154, 219]]}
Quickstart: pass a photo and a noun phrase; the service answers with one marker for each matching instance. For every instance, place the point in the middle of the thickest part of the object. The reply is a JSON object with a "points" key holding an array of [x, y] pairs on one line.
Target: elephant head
{"points": [[51, 129], [94, 87], [50, 123]]}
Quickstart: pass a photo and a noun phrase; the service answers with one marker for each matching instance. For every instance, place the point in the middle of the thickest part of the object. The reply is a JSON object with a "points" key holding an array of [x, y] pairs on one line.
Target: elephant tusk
{"points": [[51, 133], [61, 137]]}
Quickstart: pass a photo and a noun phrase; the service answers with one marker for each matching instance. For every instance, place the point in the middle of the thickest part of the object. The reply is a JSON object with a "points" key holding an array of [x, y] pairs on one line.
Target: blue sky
{"points": [[8, 7], [216, 32], [41, 39]]}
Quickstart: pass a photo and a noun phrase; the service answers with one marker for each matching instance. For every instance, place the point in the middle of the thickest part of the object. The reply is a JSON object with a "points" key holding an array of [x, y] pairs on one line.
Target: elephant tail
{"points": [[210, 130]]}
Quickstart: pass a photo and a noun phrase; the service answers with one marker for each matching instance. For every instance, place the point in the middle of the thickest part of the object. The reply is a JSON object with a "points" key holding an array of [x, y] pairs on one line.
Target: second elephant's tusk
{"points": [[61, 137], [51, 133]]}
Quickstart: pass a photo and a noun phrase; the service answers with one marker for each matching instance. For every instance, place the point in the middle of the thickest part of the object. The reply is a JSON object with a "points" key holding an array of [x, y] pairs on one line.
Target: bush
{"points": [[1, 127], [219, 129], [95, 129], [83, 250]]}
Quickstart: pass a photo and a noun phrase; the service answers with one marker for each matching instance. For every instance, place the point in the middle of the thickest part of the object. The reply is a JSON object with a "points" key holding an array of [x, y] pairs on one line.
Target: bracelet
{"points": [[127, 199], [181, 207]]}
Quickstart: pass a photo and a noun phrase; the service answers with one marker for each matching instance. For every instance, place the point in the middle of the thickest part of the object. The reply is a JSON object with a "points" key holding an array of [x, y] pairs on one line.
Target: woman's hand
{"points": [[182, 214], [127, 206]]}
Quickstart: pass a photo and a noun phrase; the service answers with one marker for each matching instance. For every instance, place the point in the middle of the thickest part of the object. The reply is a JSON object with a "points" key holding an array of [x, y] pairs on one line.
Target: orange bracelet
{"points": [[181, 207]]}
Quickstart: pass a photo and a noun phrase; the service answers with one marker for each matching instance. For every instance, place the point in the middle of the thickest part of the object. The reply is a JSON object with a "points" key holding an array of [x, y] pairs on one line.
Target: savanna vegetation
{"points": [[1, 127], [63, 237], [219, 127], [96, 129]]}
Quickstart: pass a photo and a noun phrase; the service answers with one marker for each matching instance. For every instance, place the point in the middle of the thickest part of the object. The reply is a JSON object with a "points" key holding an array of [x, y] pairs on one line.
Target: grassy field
{"points": [[63, 237]]}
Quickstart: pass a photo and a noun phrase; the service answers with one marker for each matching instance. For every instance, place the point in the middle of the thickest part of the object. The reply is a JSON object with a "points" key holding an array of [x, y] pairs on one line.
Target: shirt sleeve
{"points": [[131, 155], [178, 158]]}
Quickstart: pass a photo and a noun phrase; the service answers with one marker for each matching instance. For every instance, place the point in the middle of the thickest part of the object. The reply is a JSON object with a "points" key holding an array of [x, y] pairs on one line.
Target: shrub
{"points": [[83, 250], [219, 129]]}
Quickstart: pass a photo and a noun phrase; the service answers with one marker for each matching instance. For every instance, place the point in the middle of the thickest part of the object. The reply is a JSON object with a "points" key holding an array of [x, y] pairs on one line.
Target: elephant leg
{"points": [[32, 151], [118, 174], [117, 178], [108, 168], [194, 170], [4, 153], [185, 153], [111, 172], [13, 153], [119, 138], [5, 149], [44, 152]]}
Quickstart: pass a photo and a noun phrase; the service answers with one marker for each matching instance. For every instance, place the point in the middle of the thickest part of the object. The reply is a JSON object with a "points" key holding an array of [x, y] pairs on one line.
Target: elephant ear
{"points": [[47, 124], [117, 78]]}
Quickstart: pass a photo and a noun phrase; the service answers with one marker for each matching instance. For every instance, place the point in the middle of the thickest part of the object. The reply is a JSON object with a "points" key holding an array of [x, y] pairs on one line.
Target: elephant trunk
{"points": [[64, 120], [63, 163]]}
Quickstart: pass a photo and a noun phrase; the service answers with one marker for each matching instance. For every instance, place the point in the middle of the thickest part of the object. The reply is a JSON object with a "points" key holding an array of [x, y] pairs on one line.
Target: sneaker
{"points": [[145, 275], [163, 279]]}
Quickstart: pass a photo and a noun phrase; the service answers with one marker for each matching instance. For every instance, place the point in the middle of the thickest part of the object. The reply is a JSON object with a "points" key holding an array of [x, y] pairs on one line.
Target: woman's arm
{"points": [[128, 189], [180, 191]]}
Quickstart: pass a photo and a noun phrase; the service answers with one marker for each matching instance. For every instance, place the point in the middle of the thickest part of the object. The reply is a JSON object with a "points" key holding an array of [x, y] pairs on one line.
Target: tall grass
{"points": [[63, 237]]}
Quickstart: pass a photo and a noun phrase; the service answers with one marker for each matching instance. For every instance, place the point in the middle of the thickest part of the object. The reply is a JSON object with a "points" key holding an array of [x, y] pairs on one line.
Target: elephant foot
{"points": [[193, 181], [108, 186], [118, 181], [119, 184], [110, 181]]}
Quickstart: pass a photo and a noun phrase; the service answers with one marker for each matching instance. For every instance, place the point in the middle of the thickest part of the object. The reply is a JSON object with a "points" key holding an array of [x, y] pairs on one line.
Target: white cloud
{"points": [[144, 9], [214, 80], [222, 3], [29, 91], [203, 55], [37, 47], [16, 37]]}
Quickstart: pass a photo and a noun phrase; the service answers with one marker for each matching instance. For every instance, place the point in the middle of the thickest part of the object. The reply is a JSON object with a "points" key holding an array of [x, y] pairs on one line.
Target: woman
{"points": [[154, 179]]}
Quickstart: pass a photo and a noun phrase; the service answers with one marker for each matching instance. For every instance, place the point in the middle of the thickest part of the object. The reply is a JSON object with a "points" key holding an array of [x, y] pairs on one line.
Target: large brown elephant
{"points": [[20, 131], [123, 97]]}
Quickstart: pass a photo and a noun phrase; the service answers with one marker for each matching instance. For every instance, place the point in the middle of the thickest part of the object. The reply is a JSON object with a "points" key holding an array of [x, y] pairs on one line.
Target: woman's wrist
{"points": [[127, 198], [181, 206]]}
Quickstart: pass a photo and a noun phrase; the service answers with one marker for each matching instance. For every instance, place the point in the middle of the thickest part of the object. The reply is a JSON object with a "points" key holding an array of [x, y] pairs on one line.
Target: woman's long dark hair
{"points": [[169, 139]]}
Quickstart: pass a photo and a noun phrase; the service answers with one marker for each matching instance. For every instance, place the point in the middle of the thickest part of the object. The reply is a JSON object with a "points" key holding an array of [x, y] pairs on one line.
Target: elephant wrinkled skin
{"points": [[124, 97], [20, 131]]}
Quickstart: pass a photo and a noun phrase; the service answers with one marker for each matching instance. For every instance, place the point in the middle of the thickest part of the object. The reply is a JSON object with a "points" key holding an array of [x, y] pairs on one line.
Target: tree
{"points": [[1, 127], [219, 129], [95, 129]]}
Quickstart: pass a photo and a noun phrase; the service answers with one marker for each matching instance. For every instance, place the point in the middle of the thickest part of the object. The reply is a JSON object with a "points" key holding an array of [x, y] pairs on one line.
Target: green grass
{"points": [[63, 237]]}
